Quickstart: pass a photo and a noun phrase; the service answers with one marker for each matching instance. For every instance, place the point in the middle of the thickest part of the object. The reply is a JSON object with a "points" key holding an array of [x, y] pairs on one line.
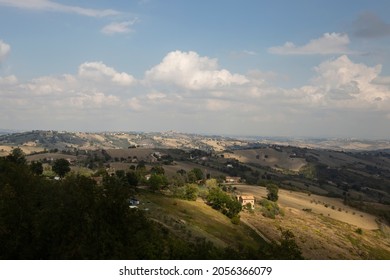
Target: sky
{"points": [[303, 68]]}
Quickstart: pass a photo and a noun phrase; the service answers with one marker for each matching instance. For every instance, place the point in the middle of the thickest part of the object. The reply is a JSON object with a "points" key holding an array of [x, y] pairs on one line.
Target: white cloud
{"points": [[341, 83], [93, 100], [9, 80], [156, 96], [329, 43], [48, 5], [203, 94], [4, 49], [118, 27], [98, 71], [193, 72]]}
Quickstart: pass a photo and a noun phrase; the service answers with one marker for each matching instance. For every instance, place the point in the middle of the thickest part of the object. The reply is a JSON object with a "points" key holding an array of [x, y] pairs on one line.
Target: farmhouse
{"points": [[232, 180], [245, 199]]}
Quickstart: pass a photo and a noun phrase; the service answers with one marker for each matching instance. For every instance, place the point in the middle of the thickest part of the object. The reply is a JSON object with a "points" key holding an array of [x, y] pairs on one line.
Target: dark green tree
{"points": [[36, 167], [223, 202], [61, 166], [132, 178], [158, 169], [198, 173], [17, 156], [157, 182], [289, 249], [272, 192]]}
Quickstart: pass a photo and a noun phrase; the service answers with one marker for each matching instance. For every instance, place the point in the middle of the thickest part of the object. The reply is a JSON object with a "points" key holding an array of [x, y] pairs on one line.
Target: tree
{"points": [[191, 191], [272, 192], [36, 167], [289, 249], [132, 178], [223, 202], [198, 173], [158, 169], [17, 156], [211, 183], [182, 172], [61, 166], [157, 182]]}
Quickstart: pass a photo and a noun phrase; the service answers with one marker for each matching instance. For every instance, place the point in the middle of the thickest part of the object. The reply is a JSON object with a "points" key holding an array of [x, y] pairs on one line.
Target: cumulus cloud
{"points": [[369, 25], [48, 5], [329, 43], [194, 72], [186, 87], [93, 96], [98, 71], [4, 49], [341, 79], [118, 27]]}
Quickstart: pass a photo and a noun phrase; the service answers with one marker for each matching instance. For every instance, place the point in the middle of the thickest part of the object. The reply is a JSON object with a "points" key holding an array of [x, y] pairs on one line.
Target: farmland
{"points": [[336, 203]]}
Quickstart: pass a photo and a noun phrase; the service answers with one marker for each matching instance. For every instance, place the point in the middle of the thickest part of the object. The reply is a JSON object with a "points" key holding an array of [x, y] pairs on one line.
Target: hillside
{"points": [[174, 140], [327, 196]]}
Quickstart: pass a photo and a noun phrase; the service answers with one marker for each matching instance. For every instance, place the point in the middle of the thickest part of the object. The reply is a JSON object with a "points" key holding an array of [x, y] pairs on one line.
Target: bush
{"points": [[235, 220], [270, 209], [188, 192]]}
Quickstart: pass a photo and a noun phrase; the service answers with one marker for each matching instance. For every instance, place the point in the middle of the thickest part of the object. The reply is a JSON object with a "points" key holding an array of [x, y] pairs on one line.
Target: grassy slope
{"points": [[319, 236], [194, 219]]}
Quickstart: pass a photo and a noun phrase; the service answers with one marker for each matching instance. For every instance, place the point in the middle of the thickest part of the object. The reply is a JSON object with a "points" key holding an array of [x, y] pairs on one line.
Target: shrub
{"points": [[235, 220], [269, 208]]}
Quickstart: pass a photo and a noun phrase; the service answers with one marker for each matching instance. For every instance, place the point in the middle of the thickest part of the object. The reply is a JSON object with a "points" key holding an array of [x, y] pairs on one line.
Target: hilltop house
{"points": [[232, 180], [245, 199]]}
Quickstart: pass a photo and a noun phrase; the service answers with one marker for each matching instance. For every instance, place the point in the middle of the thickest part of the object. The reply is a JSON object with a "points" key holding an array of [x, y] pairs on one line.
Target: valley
{"points": [[336, 203]]}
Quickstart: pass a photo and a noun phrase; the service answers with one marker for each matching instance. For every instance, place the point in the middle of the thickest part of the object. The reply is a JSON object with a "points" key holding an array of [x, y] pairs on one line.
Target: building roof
{"points": [[247, 197]]}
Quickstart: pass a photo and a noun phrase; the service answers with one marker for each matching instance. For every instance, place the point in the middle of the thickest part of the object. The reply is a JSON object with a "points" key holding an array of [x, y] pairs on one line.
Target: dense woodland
{"points": [[75, 218]]}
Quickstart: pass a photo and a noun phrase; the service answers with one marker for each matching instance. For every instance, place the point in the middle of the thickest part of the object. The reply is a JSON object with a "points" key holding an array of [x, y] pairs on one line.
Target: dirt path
{"points": [[330, 207]]}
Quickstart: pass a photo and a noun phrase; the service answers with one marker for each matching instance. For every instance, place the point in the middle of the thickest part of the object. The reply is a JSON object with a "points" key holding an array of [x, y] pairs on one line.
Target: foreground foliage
{"points": [[74, 218]]}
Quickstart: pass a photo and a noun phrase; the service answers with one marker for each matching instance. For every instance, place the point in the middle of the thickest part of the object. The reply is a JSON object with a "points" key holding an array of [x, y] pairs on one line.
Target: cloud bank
{"points": [[329, 43], [190, 92]]}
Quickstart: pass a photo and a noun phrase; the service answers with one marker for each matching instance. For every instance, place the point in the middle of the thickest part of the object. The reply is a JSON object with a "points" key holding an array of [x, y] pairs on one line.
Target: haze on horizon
{"points": [[307, 68]]}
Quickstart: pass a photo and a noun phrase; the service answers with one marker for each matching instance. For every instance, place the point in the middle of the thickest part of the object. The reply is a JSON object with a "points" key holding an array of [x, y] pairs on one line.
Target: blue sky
{"points": [[268, 68]]}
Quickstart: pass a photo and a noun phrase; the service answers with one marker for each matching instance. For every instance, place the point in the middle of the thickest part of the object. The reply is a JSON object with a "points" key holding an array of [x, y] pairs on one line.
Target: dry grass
{"points": [[268, 157], [197, 218], [319, 235]]}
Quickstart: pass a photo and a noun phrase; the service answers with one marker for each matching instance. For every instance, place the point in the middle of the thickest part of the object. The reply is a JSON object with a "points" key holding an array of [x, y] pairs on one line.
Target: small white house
{"points": [[246, 199]]}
